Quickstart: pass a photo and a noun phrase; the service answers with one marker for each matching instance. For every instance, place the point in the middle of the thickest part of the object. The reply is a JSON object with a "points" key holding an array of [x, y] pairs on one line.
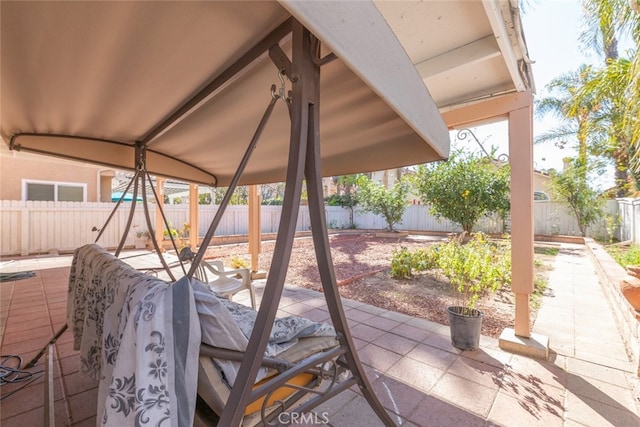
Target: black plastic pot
{"points": [[465, 328]]}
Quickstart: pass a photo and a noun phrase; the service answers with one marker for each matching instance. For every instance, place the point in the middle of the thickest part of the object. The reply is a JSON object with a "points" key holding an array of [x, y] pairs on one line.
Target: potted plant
{"points": [[474, 269], [142, 237]]}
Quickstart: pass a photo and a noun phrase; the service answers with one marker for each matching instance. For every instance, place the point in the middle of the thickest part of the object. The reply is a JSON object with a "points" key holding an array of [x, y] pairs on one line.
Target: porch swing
{"points": [[378, 115]]}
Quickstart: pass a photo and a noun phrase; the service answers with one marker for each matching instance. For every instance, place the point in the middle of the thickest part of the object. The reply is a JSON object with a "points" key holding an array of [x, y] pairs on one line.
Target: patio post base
{"points": [[536, 346]]}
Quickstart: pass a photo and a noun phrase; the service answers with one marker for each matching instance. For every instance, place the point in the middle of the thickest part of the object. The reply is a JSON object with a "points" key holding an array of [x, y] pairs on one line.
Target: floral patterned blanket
{"points": [[138, 336]]}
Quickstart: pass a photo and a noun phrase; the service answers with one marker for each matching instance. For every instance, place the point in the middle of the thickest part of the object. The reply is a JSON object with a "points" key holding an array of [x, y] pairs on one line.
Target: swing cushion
{"points": [[226, 324]]}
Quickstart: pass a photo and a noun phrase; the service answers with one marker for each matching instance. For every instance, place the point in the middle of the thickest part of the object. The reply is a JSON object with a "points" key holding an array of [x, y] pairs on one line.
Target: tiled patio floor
{"points": [[421, 379]]}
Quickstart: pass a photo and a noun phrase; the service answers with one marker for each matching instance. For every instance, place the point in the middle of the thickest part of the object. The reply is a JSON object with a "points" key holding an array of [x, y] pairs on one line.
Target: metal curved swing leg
{"points": [[303, 160]]}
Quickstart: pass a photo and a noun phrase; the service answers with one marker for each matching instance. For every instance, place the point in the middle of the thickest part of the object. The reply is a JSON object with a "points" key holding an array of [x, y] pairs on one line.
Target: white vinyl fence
{"points": [[40, 227], [629, 211]]}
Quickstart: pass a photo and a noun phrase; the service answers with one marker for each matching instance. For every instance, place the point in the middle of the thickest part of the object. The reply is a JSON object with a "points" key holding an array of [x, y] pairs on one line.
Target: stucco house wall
{"points": [[16, 168]]}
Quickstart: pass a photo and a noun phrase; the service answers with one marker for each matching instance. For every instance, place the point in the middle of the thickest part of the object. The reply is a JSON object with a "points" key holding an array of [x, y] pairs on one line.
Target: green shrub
{"points": [[426, 258], [402, 264], [473, 269], [625, 257]]}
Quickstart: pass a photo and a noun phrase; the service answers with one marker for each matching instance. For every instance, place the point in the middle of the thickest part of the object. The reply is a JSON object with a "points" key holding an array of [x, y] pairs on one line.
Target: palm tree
{"points": [[610, 88], [573, 107], [605, 21]]}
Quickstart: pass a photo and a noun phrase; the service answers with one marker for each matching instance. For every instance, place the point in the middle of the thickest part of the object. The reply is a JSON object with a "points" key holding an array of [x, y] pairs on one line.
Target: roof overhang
{"points": [[190, 80], [466, 51]]}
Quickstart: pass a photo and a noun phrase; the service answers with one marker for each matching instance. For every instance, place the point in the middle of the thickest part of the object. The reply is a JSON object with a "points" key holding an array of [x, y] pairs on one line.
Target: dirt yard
{"points": [[362, 269]]}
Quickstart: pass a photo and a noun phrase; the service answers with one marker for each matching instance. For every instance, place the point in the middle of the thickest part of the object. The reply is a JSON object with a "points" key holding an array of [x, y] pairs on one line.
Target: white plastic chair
{"points": [[225, 282]]}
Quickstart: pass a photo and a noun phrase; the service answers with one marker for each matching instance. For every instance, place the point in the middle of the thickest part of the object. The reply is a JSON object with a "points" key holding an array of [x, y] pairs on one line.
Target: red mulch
{"points": [[361, 264]]}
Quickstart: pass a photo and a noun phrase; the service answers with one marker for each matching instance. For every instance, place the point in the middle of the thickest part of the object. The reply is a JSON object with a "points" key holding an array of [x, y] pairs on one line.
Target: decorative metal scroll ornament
{"points": [[464, 134]]}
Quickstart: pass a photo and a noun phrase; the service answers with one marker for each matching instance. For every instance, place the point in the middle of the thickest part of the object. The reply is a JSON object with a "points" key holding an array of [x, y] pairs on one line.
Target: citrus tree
{"points": [[389, 203], [346, 195], [464, 189], [570, 187]]}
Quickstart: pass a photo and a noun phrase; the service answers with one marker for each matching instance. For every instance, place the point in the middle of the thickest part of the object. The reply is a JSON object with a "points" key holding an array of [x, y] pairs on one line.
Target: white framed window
{"points": [[541, 195], [52, 191]]}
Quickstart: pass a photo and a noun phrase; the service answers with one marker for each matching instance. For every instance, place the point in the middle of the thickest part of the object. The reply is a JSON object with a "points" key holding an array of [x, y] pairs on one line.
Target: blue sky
{"points": [[552, 29]]}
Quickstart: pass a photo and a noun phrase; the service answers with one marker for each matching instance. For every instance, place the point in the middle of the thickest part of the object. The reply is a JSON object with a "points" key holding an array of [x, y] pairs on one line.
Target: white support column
{"points": [[254, 227], [193, 216], [159, 231], [521, 160]]}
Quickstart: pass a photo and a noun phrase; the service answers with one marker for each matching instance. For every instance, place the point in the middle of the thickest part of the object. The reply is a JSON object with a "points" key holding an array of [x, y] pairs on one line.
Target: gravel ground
{"points": [[362, 264]]}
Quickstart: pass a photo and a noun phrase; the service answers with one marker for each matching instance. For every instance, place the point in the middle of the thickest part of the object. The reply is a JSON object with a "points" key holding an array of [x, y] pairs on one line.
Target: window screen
{"points": [[54, 192], [45, 192], [67, 193]]}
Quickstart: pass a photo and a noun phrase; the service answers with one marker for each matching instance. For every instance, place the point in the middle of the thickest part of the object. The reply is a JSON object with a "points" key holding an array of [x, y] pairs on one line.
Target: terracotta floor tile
{"points": [[26, 399], [35, 417], [40, 332], [416, 374], [77, 383], [336, 403], [599, 372], [411, 332], [359, 316], [590, 412], [24, 347], [299, 309], [15, 326], [443, 342], [536, 396], [372, 309], [69, 364], [395, 343], [397, 396], [433, 356], [356, 413], [506, 409], [481, 373], [83, 405], [382, 323], [378, 357], [398, 317], [26, 307], [434, 412], [31, 316], [600, 391], [468, 394], [538, 371], [365, 332], [88, 422], [490, 356], [318, 315]]}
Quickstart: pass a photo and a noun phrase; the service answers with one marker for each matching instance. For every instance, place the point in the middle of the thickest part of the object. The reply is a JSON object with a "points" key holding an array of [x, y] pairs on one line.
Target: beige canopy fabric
{"points": [[86, 80]]}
